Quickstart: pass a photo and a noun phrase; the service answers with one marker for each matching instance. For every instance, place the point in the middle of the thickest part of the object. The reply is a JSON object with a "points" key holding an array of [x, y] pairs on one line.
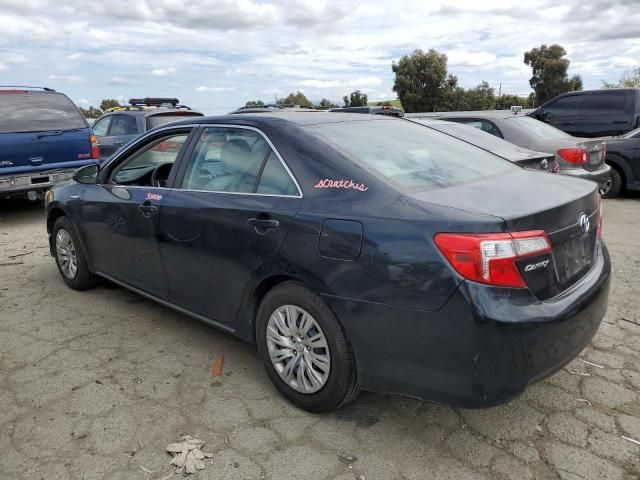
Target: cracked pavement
{"points": [[96, 384]]}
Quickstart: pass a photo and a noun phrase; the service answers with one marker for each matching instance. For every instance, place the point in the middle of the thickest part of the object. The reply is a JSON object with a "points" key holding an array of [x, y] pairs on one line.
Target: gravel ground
{"points": [[95, 385]]}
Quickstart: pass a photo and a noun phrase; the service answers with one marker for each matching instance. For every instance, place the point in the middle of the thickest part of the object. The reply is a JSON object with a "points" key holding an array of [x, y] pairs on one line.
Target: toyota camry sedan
{"points": [[357, 252]]}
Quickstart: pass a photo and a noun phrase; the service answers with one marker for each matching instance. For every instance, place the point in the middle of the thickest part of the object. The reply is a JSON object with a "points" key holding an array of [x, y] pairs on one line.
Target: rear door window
{"points": [[123, 125], [409, 155], [38, 112], [606, 103], [275, 180], [480, 124]]}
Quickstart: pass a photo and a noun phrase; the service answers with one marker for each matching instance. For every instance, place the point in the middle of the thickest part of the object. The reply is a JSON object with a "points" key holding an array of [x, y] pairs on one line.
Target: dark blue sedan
{"points": [[356, 252]]}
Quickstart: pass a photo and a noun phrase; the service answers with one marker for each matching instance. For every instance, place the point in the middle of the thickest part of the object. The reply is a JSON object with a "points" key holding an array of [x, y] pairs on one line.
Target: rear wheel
{"points": [[69, 256], [304, 349], [614, 186]]}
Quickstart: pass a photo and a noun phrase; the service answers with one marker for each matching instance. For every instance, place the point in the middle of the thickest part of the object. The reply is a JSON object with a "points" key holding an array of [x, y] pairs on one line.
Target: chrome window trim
{"points": [[138, 187], [215, 125], [271, 145]]}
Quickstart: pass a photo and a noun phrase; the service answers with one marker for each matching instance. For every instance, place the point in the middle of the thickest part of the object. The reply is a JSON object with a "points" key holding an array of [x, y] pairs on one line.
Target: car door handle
{"points": [[568, 123], [263, 224], [148, 211]]}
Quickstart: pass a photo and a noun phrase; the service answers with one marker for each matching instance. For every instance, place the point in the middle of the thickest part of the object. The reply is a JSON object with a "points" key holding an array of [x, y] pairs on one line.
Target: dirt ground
{"points": [[95, 385]]}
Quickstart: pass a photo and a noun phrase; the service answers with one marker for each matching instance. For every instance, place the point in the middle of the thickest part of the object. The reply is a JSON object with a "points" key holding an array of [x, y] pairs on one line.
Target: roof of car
{"points": [[299, 117], [149, 112], [479, 114]]}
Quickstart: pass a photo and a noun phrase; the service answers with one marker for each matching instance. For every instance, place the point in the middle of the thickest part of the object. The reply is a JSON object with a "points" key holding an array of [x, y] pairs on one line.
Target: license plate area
{"points": [[574, 258]]}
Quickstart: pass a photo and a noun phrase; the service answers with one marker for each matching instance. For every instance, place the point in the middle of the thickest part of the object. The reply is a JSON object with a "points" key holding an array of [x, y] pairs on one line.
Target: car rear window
{"points": [[410, 155], [157, 120], [538, 128], [38, 112], [473, 135]]}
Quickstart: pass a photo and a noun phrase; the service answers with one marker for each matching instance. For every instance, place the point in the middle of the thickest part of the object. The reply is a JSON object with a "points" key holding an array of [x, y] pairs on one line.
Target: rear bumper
{"points": [[21, 183], [483, 347], [600, 176]]}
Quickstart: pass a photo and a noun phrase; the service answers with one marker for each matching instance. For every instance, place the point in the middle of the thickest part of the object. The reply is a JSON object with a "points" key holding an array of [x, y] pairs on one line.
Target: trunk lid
{"points": [[594, 147], [35, 151], [526, 201]]}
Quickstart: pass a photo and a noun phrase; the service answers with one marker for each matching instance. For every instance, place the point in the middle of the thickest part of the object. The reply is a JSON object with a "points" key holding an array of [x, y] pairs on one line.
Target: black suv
{"points": [[593, 113], [117, 126]]}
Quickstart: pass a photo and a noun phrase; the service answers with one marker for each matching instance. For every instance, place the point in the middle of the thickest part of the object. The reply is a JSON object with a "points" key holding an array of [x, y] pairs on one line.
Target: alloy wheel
{"points": [[298, 349], [66, 253]]}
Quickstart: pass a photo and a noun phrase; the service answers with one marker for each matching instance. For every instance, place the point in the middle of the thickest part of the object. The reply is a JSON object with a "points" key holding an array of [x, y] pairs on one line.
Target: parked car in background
{"points": [[521, 156], [43, 139], [593, 113], [120, 125], [274, 107], [356, 251], [577, 157], [372, 110], [623, 154]]}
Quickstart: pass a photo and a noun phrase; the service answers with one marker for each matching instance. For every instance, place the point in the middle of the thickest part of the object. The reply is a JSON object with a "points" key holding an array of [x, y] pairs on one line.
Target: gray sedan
{"points": [[578, 157]]}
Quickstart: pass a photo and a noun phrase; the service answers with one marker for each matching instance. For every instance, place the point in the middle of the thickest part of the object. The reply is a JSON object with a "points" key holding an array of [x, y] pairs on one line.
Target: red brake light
{"points": [[95, 151], [491, 257], [574, 155]]}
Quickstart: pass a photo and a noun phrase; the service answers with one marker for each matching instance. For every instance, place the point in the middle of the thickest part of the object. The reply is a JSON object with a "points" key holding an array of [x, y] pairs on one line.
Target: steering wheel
{"points": [[160, 175]]}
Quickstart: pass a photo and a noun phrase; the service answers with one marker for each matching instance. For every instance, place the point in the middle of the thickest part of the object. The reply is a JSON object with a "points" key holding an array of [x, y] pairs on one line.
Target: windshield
{"points": [[410, 155], [157, 120], [538, 128], [38, 112]]}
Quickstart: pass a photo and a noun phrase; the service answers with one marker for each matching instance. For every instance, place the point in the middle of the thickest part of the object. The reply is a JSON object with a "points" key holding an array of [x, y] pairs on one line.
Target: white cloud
{"points": [[163, 72], [203, 88], [82, 101], [74, 56], [116, 80], [3, 66], [66, 78]]}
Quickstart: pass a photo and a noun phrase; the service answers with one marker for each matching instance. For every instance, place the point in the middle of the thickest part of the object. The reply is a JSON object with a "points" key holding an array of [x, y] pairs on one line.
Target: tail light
{"points": [[491, 258], [95, 151], [574, 155]]}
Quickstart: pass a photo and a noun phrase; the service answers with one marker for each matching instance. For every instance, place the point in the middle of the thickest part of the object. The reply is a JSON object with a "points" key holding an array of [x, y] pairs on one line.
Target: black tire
{"points": [[83, 278], [341, 385], [616, 185]]}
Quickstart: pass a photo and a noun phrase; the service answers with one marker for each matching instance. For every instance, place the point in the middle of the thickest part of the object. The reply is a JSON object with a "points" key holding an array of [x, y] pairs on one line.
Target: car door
{"points": [[564, 113], [122, 129], [606, 113], [120, 213], [233, 203]]}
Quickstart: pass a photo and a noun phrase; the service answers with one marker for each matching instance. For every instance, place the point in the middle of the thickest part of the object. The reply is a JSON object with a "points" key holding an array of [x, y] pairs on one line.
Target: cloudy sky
{"points": [[216, 54]]}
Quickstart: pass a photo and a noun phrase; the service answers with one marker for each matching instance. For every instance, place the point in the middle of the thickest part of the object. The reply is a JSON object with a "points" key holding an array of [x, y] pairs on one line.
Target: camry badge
{"points": [[584, 223]]}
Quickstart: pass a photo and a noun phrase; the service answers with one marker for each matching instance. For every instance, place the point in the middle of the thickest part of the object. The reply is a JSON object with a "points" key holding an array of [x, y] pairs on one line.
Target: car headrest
{"points": [[235, 156]]}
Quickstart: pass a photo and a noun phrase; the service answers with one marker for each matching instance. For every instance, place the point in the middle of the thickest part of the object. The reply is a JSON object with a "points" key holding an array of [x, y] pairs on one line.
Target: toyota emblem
{"points": [[584, 223]]}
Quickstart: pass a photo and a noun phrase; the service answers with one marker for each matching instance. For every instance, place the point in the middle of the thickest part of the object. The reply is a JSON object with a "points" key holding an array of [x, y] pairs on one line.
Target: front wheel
{"points": [[304, 349], [70, 259]]}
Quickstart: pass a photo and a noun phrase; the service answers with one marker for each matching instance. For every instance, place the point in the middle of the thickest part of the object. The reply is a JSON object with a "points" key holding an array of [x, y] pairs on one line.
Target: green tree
{"points": [[549, 68], [254, 103], [505, 102], [91, 112], [109, 103], [421, 81], [297, 98], [326, 104], [356, 99], [481, 97], [628, 80]]}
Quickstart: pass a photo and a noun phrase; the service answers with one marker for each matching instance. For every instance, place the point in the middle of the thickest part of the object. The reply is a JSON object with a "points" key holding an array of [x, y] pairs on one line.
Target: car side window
{"points": [[275, 180], [569, 105], [139, 167], [101, 127], [123, 125], [226, 159], [606, 103]]}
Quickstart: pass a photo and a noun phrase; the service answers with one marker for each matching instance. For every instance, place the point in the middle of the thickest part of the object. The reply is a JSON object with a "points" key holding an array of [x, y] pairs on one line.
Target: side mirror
{"points": [[87, 174]]}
